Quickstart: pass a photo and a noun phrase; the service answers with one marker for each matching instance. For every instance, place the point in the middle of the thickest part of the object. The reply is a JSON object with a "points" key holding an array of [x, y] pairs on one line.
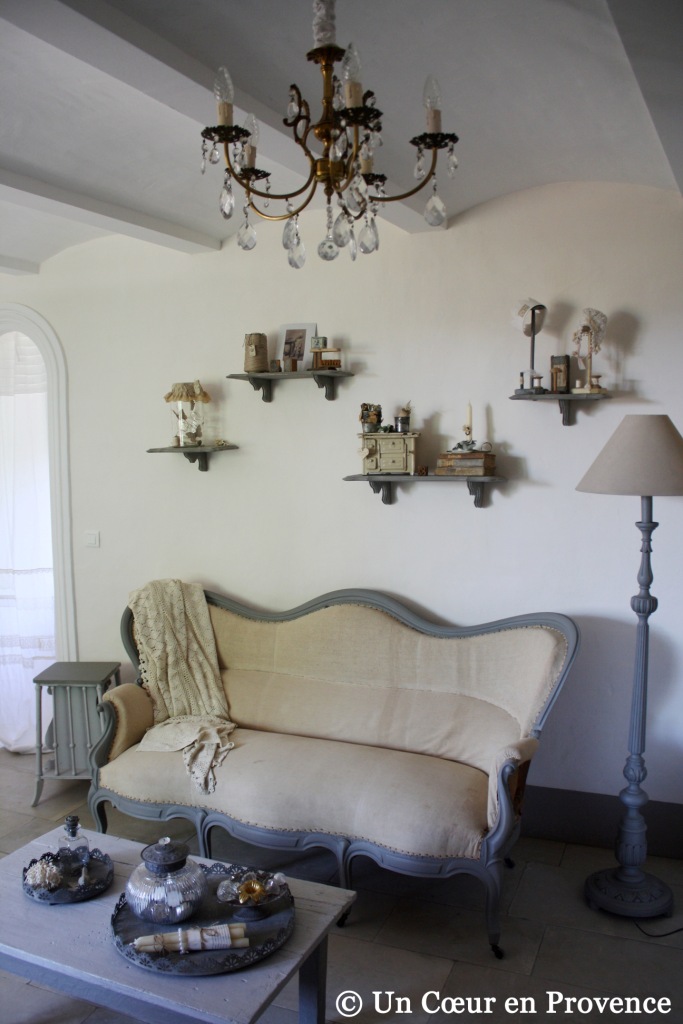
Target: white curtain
{"points": [[27, 614]]}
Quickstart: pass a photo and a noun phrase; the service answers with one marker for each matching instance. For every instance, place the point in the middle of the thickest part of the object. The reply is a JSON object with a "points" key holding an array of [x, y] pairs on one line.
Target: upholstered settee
{"points": [[361, 727]]}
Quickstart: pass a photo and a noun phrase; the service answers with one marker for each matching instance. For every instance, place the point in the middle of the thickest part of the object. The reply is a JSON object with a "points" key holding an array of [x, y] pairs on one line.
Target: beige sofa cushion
{"points": [[351, 672], [412, 803]]}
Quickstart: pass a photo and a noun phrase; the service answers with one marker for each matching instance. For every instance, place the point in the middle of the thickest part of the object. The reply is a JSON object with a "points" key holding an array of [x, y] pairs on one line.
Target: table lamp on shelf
{"points": [[644, 457]]}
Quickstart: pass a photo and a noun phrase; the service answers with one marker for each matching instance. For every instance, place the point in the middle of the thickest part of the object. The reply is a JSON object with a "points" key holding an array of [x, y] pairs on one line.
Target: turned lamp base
{"points": [[644, 897]]}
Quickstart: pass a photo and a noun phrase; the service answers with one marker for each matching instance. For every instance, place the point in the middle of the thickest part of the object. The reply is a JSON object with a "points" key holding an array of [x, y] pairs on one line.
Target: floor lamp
{"points": [[643, 457]]}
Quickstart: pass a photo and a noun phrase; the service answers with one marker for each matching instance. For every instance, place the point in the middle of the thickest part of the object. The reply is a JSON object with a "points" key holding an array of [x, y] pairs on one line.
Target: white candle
{"points": [[468, 420]]}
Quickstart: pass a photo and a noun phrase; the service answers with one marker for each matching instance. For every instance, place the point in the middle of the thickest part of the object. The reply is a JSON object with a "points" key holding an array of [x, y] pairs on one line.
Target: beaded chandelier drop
{"points": [[339, 151]]}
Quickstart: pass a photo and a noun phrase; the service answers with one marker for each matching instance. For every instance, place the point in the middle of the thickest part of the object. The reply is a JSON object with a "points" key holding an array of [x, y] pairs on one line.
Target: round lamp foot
{"points": [[648, 897]]}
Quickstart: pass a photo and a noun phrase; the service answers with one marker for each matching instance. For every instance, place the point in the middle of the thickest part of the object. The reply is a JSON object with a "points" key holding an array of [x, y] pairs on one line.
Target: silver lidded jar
{"points": [[168, 886]]}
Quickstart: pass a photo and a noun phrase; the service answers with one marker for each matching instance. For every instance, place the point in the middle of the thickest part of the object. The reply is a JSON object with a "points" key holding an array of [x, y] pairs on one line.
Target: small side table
{"points": [[77, 687]]}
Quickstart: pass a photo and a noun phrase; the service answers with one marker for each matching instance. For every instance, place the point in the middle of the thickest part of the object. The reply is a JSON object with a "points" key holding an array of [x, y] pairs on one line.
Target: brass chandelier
{"points": [[346, 137]]}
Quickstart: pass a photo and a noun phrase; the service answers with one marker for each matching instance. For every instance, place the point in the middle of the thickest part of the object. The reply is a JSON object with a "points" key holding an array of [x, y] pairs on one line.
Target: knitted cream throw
{"points": [[179, 670]]}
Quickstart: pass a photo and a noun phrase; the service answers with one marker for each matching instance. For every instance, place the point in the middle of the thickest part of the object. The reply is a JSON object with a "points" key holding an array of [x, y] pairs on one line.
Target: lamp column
{"points": [[628, 890]]}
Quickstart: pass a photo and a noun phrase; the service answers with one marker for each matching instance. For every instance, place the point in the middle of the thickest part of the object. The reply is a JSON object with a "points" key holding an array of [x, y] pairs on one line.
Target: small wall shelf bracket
{"points": [[566, 402], [199, 454], [263, 382], [385, 484]]}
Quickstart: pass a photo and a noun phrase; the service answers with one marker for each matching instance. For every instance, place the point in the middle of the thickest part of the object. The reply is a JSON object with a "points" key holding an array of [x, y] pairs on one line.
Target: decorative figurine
{"points": [[402, 421], [255, 353], [559, 374], [532, 314], [591, 329], [370, 418]]}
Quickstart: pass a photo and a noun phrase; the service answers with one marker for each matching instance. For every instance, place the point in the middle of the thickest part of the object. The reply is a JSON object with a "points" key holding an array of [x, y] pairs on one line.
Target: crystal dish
{"points": [[100, 873], [266, 932]]}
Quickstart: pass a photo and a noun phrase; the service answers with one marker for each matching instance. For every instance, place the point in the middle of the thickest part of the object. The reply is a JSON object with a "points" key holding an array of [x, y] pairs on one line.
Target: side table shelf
{"points": [[198, 453], [385, 483], [263, 382], [77, 687], [566, 402]]}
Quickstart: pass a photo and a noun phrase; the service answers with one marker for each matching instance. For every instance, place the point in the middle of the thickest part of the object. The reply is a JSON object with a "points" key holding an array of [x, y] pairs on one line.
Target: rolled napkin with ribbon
{"points": [[191, 940]]}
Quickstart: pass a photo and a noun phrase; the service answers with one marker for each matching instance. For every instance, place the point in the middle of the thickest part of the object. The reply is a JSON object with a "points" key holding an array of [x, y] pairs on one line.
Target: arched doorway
{"points": [[36, 520]]}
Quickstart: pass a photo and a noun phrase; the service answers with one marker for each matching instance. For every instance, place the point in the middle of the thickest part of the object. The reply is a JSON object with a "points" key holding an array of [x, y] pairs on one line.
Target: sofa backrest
{"points": [[356, 672]]}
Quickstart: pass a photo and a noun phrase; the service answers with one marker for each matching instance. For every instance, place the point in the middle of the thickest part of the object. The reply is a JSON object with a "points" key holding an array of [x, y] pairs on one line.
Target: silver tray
{"points": [[269, 925], [100, 876]]}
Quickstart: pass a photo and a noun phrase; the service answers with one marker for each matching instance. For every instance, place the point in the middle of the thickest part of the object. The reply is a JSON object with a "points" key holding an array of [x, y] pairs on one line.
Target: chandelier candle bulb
{"points": [[224, 92], [351, 69], [431, 97], [250, 147]]}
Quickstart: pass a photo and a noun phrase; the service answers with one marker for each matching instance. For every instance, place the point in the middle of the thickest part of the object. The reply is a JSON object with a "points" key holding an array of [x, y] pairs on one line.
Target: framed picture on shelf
{"points": [[295, 343]]}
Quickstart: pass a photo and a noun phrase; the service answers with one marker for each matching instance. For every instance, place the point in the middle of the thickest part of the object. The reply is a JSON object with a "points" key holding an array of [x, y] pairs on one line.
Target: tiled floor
{"points": [[410, 937]]}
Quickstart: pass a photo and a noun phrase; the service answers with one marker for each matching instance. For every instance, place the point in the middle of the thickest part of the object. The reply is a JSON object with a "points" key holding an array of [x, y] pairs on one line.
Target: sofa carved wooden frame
{"points": [[496, 844]]}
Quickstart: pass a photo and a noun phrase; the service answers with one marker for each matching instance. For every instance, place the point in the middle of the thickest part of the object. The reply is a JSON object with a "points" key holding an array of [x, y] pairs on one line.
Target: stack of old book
{"points": [[466, 463]]}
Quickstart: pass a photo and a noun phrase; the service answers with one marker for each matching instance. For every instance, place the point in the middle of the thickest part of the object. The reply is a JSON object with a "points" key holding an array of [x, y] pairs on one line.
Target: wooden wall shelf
{"points": [[198, 453], [567, 402], [385, 483], [263, 382]]}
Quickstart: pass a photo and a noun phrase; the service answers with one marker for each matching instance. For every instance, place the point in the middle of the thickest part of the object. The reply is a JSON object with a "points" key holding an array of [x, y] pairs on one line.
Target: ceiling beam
{"points": [[14, 265], [39, 195]]}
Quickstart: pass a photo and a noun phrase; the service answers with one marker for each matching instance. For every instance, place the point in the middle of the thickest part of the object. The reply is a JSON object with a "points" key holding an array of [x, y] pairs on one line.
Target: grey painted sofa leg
{"points": [[493, 890]]}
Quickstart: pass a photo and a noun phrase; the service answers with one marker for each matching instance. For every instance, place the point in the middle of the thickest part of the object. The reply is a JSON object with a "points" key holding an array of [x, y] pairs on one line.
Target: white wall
{"points": [[428, 318]]}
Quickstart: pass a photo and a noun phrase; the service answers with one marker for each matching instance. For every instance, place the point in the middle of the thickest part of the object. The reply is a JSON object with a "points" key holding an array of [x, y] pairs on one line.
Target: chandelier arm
{"points": [[279, 216], [250, 190], [411, 192]]}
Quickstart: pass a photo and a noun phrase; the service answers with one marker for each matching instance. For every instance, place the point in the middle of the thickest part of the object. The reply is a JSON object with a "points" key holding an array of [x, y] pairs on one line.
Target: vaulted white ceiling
{"points": [[102, 104]]}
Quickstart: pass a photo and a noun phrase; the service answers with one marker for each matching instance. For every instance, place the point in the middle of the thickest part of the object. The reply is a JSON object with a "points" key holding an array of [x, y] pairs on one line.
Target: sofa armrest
{"points": [[134, 716], [506, 778]]}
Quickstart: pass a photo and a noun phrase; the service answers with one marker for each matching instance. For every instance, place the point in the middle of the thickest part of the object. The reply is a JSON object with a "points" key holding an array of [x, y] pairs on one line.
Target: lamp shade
{"points": [[643, 456]]}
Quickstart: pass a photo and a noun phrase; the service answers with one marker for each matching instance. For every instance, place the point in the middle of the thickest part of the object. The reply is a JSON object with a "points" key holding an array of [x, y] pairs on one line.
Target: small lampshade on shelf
{"points": [[186, 401], [643, 457]]}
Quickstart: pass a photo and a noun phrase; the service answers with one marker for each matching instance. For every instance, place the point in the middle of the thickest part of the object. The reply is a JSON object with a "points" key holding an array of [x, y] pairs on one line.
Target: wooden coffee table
{"points": [[71, 949]]}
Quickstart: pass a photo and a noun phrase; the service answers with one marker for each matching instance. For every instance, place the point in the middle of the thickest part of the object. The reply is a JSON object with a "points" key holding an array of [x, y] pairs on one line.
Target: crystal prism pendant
{"points": [[296, 257], [353, 248], [435, 211], [352, 204], [359, 188], [451, 163], [292, 107], [419, 171], [339, 147], [290, 233], [328, 250], [214, 155], [226, 203], [341, 232], [368, 239], [246, 236]]}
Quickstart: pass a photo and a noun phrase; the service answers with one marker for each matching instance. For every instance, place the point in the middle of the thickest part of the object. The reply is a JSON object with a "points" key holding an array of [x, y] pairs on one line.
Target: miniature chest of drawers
{"points": [[389, 453]]}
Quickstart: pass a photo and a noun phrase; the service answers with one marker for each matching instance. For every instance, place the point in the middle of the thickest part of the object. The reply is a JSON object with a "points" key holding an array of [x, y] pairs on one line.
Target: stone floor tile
{"points": [[520, 998], [366, 968], [460, 934], [545, 851], [556, 896], [610, 965], [25, 1003]]}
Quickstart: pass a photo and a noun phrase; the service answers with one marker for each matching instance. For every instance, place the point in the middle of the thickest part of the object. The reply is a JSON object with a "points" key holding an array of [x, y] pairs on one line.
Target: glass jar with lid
{"points": [[73, 848], [168, 886]]}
